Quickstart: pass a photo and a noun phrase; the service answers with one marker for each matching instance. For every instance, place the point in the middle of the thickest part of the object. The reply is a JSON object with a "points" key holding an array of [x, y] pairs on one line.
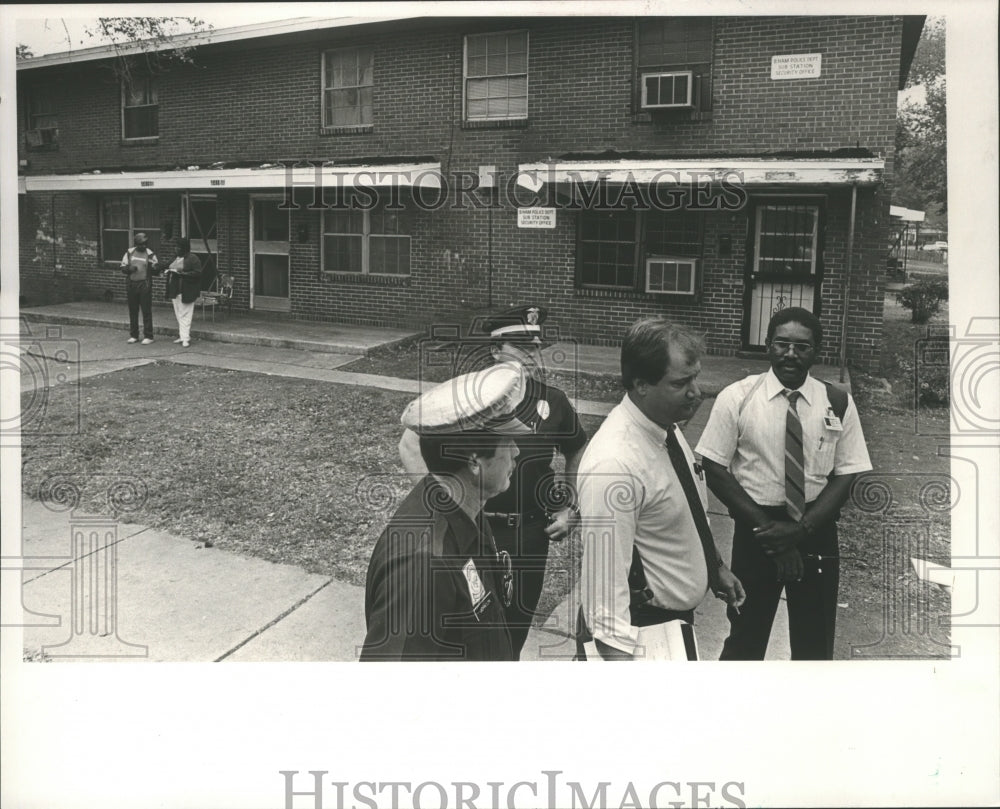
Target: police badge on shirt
{"points": [[480, 597]]}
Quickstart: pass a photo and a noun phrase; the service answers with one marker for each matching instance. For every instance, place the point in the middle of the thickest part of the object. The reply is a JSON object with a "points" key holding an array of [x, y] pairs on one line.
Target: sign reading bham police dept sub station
{"points": [[796, 66], [536, 217]]}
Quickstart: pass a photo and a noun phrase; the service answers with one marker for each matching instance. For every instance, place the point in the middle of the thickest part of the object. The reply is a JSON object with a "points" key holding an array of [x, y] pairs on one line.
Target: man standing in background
{"points": [[139, 265]]}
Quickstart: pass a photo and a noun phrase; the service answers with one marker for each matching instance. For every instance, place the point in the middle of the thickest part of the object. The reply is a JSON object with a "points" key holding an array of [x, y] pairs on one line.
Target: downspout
{"points": [[847, 283], [55, 237], [489, 257]]}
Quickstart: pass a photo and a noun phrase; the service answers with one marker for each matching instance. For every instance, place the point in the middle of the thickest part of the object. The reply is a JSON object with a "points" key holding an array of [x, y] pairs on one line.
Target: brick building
{"points": [[703, 168]]}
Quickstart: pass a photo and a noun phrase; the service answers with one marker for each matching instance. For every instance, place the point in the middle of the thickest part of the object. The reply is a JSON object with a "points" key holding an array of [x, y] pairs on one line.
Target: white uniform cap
{"points": [[480, 402]]}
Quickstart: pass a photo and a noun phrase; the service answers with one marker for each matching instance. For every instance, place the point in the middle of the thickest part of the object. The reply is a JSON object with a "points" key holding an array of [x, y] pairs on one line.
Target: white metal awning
{"points": [[905, 214], [736, 171], [268, 177]]}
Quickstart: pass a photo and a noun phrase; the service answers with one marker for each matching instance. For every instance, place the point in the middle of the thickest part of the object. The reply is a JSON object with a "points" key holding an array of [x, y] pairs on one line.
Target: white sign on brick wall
{"points": [[536, 217], [796, 66]]}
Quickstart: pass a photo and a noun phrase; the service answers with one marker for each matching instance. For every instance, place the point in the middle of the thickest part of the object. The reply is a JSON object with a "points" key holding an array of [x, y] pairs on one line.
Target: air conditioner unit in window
{"points": [[662, 91], [41, 137], [671, 275]]}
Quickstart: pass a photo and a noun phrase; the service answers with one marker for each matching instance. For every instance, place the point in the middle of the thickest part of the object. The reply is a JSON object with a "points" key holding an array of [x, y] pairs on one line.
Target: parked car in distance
{"points": [[936, 247]]}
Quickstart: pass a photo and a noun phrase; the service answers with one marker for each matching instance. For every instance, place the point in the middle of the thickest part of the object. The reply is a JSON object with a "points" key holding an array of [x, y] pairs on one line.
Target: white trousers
{"points": [[184, 313]]}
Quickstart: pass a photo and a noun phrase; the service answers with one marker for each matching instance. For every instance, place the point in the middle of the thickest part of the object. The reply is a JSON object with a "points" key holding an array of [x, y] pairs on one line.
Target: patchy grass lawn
{"points": [[292, 471]]}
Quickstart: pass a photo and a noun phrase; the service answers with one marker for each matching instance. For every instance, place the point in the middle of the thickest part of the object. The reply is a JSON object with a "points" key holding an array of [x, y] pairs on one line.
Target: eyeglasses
{"points": [[782, 346], [508, 578]]}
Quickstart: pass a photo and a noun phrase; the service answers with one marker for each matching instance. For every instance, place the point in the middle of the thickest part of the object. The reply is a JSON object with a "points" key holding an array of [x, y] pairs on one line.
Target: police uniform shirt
{"points": [[433, 590], [630, 496], [751, 444], [554, 425]]}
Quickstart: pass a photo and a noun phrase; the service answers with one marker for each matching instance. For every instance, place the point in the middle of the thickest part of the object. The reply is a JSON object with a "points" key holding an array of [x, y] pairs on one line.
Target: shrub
{"points": [[923, 299]]}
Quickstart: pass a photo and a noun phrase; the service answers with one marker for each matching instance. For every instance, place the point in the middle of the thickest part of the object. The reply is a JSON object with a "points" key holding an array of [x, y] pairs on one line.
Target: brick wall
{"points": [[262, 104]]}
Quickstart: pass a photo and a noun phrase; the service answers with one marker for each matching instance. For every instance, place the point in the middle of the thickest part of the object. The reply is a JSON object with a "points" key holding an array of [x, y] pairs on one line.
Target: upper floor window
{"points": [[674, 62], [43, 124], [496, 76], [348, 80], [140, 108]]}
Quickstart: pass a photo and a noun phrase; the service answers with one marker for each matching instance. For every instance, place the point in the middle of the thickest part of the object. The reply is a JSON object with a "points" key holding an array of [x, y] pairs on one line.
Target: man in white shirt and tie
{"points": [[781, 451], [643, 500]]}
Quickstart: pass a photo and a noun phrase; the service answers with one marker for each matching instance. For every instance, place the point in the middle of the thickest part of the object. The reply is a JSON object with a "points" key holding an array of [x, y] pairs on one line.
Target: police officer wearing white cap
{"points": [[535, 509], [437, 584]]}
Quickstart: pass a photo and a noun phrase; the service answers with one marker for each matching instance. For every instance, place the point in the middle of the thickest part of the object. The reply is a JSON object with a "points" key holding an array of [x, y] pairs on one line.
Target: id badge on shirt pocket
{"points": [[832, 422]]}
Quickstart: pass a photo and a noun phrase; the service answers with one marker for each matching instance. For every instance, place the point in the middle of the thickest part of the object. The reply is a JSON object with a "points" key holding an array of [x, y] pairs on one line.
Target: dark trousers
{"points": [[140, 295], [812, 602], [528, 546]]}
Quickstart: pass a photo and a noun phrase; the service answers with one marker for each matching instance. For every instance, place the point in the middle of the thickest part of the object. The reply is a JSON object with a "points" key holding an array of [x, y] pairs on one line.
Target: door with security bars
{"points": [[269, 268], [784, 266]]}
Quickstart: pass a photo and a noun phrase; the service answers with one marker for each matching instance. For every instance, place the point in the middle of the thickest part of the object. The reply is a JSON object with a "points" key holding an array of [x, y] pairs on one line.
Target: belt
{"points": [[512, 519], [648, 615]]}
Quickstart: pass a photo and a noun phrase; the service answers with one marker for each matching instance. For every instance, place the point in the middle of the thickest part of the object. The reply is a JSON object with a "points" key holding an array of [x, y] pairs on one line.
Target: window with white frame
{"points": [[674, 62], [348, 85], [496, 76], [140, 108], [367, 242], [122, 216], [670, 275], [43, 124]]}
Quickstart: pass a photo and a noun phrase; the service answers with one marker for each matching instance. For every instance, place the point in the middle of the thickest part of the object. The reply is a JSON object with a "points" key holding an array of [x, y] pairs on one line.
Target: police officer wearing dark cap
{"points": [[536, 509], [437, 583]]}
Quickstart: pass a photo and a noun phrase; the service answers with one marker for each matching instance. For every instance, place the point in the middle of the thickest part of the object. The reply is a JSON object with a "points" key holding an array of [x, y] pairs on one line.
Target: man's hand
{"points": [[562, 523], [730, 588], [779, 536], [789, 564]]}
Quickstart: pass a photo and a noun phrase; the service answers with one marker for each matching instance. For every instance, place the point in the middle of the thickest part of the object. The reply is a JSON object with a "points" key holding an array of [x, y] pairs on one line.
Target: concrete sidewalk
{"points": [[97, 588]]}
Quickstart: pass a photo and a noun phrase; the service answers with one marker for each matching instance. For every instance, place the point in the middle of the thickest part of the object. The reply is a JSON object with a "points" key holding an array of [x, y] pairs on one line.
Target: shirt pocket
{"points": [[820, 460]]}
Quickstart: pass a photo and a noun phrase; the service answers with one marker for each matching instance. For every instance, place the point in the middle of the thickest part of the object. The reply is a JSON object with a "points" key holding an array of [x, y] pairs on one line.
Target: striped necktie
{"points": [[795, 476]]}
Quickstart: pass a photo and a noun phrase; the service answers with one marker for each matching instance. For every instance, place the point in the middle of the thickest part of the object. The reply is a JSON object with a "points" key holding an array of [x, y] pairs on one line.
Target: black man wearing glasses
{"points": [[781, 451]]}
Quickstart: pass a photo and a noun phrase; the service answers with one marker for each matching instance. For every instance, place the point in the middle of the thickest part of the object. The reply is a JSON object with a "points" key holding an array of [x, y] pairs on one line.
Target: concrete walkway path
{"points": [[97, 588]]}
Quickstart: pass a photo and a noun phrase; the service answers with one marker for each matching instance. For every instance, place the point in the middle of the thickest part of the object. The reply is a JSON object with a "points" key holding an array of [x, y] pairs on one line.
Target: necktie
{"points": [[683, 471], [795, 476]]}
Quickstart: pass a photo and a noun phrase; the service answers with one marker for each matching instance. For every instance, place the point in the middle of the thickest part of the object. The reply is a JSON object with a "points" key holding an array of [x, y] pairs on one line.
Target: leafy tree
{"points": [[143, 45], [921, 128], [24, 52]]}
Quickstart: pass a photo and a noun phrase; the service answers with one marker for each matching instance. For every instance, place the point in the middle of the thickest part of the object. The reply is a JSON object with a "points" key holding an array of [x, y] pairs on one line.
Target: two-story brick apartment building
{"points": [[710, 169]]}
